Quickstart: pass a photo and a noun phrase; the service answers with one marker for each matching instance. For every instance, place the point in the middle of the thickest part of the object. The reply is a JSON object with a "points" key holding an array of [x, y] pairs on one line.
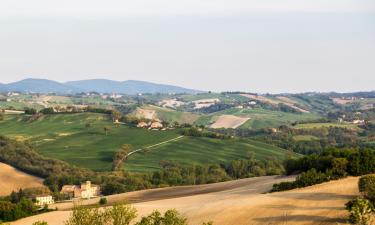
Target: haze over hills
{"points": [[96, 85]]}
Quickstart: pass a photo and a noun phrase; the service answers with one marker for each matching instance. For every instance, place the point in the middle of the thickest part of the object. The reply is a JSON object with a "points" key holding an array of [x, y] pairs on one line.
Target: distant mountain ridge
{"points": [[130, 87]]}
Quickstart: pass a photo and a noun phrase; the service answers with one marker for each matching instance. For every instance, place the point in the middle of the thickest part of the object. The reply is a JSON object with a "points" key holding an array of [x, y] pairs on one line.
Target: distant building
{"points": [[358, 121], [86, 190], [142, 125], [156, 125], [42, 200]]}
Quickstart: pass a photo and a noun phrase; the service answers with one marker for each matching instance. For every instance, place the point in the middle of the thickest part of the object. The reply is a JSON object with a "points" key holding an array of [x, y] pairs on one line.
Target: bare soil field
{"points": [[291, 103], [237, 202], [145, 114], [203, 103], [12, 179], [261, 99], [229, 121], [342, 101]]}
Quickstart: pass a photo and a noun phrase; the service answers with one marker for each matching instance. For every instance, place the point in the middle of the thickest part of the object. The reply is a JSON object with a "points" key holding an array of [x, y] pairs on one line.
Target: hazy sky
{"points": [[250, 45]]}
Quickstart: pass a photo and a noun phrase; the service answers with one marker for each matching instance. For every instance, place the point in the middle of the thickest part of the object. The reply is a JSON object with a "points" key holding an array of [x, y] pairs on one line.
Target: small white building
{"points": [[42, 200]]}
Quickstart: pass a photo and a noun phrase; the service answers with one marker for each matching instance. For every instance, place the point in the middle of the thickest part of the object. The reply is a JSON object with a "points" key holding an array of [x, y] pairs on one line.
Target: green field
{"points": [[65, 137], [259, 118], [189, 150]]}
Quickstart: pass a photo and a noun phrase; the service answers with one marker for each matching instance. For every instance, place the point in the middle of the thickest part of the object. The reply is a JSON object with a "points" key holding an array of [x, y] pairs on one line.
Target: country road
{"points": [[155, 145]]}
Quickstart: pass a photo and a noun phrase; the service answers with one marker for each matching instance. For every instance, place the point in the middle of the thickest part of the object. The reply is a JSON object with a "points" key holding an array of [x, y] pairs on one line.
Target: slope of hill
{"points": [[238, 202], [66, 137], [126, 87], [13, 179], [130, 87], [39, 86], [259, 118]]}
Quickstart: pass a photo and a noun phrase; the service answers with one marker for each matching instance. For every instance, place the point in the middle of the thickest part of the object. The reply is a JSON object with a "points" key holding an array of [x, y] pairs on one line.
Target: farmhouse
{"points": [[42, 200], [156, 125], [142, 125], [86, 190]]}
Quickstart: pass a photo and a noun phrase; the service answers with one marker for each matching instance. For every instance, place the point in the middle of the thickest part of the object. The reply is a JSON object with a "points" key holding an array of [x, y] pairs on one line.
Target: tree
{"points": [[120, 156], [30, 111], [366, 185], [117, 215], [121, 214], [171, 217], [106, 129], [48, 110], [116, 115]]}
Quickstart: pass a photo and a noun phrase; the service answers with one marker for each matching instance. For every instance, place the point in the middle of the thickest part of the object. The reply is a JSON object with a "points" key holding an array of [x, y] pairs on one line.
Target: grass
{"points": [[65, 137], [189, 150]]}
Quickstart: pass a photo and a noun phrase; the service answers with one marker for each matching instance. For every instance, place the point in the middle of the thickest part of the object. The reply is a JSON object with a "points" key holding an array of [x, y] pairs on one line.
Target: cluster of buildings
{"points": [[152, 125], [85, 191]]}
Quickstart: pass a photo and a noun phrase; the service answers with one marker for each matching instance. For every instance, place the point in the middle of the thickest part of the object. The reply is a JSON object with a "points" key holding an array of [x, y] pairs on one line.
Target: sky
{"points": [[267, 46]]}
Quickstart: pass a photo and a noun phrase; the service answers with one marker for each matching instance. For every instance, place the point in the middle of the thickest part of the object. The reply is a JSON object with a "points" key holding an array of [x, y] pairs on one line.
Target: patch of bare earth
{"points": [[12, 179], [282, 99], [342, 101], [229, 121], [204, 103], [145, 114], [238, 202]]}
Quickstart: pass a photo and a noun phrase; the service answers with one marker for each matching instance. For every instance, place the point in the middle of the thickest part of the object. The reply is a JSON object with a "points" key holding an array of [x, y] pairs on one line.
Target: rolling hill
{"points": [[130, 87], [66, 137], [126, 87], [38, 86]]}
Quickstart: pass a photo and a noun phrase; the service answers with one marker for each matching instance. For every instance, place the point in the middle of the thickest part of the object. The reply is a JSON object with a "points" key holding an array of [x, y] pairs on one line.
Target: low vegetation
{"points": [[329, 165], [362, 210]]}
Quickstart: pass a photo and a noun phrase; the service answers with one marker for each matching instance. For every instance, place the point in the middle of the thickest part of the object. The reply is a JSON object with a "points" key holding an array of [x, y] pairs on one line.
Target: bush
{"points": [[103, 201], [366, 185], [40, 223], [311, 177], [283, 186], [360, 211]]}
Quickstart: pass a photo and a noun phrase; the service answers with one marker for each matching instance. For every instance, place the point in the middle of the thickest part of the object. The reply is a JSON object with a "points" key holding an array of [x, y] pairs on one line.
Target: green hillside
{"points": [[189, 150], [66, 137]]}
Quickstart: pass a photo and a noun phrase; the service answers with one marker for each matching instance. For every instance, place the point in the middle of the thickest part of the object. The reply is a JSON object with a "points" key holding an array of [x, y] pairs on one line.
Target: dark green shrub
{"points": [[103, 201], [366, 185]]}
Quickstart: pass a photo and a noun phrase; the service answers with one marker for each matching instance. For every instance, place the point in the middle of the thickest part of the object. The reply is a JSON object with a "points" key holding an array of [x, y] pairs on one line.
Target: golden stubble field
{"points": [[236, 202], [12, 179]]}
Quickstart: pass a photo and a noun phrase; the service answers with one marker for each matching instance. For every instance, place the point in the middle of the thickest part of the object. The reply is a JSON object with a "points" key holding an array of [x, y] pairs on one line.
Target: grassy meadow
{"points": [[66, 137]]}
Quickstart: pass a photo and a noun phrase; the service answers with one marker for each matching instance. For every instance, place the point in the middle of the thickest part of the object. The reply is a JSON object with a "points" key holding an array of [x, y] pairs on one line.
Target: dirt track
{"points": [[238, 202], [12, 179]]}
